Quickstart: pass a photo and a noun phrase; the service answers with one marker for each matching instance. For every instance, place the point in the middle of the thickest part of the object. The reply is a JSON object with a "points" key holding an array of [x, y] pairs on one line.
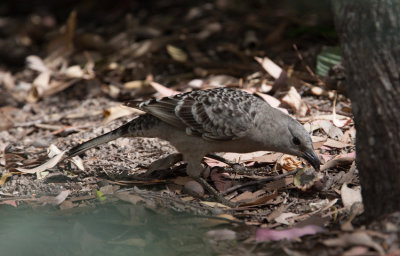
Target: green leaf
{"points": [[100, 196], [328, 58]]}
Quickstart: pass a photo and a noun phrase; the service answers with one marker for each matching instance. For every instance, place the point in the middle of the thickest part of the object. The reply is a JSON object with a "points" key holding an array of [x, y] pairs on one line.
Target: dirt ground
{"points": [[64, 73]]}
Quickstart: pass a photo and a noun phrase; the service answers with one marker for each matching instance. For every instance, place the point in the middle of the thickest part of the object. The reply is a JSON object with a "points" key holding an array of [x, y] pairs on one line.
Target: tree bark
{"points": [[369, 32]]}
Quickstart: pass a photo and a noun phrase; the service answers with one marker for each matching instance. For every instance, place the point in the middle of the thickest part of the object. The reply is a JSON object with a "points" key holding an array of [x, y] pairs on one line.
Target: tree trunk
{"points": [[369, 31]]}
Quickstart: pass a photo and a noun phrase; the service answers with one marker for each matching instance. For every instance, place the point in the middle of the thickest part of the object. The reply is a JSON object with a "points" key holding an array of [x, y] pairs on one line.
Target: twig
{"points": [[320, 82], [256, 182]]}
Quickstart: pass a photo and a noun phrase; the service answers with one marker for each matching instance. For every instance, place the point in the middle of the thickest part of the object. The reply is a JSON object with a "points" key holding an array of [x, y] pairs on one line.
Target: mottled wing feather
{"points": [[163, 108], [217, 114]]}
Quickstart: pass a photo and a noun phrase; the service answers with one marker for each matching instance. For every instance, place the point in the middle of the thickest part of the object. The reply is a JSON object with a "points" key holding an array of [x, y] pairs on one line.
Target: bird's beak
{"points": [[313, 159]]}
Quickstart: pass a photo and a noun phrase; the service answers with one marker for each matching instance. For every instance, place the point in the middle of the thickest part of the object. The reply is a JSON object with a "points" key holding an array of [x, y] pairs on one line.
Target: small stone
{"points": [[194, 189]]}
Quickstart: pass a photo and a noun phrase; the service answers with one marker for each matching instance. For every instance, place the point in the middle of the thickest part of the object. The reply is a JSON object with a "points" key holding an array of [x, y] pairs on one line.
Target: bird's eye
{"points": [[296, 141]]}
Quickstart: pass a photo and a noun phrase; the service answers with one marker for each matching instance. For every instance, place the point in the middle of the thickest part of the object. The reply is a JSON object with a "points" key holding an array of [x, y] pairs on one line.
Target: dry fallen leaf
{"points": [[293, 99], [274, 102], [335, 120], [177, 53], [331, 130], [323, 117], [4, 177], [267, 158], [49, 164], [248, 196], [336, 144], [213, 163], [220, 182], [245, 157], [318, 139], [36, 63], [357, 238], [311, 126], [349, 136], [53, 150], [261, 200], [271, 100], [282, 218], [54, 200], [39, 86], [116, 112], [137, 84], [74, 72], [7, 79], [273, 69], [350, 196], [346, 159], [58, 86], [214, 204], [164, 91], [221, 81]]}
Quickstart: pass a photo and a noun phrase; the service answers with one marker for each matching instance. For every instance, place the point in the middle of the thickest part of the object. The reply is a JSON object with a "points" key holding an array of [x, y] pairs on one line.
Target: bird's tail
{"points": [[121, 131], [138, 127]]}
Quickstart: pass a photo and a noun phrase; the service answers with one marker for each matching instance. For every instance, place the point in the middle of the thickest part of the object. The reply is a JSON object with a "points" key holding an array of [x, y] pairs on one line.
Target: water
{"points": [[111, 229]]}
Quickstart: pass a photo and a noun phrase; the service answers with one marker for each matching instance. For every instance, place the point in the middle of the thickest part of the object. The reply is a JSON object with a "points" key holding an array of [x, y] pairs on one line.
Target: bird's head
{"points": [[289, 136], [301, 144]]}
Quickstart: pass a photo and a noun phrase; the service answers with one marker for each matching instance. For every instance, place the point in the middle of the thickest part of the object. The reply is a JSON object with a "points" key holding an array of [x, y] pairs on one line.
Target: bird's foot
{"points": [[214, 192]]}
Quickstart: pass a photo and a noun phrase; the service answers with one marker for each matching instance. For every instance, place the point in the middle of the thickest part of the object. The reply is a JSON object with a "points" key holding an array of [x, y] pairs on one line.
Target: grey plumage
{"points": [[216, 120]]}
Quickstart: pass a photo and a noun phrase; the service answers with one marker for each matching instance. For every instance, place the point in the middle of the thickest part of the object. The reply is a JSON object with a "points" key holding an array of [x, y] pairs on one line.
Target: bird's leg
{"points": [[214, 192]]}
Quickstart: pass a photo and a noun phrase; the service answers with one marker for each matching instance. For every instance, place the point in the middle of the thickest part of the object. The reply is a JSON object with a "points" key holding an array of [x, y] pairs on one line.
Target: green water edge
{"points": [[106, 229]]}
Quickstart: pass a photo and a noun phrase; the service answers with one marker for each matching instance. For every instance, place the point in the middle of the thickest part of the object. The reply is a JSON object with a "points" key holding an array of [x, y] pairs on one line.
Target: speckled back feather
{"points": [[215, 114]]}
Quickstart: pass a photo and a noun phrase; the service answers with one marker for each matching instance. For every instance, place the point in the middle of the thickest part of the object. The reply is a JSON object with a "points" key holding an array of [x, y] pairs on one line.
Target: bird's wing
{"points": [[216, 114]]}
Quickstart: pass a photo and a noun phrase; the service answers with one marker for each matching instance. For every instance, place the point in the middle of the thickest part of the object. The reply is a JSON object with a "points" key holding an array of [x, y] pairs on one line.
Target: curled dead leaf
{"points": [[116, 112], [350, 196], [294, 101], [49, 164], [289, 162], [4, 177]]}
